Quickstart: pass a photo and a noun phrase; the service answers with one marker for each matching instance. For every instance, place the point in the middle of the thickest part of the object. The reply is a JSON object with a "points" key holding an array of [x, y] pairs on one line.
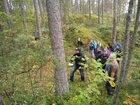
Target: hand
{"points": [[80, 67], [70, 64]]}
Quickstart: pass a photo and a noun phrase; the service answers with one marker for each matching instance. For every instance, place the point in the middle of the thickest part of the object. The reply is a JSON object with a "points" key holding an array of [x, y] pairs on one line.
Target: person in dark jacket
{"points": [[98, 53], [79, 60], [118, 53], [104, 58]]}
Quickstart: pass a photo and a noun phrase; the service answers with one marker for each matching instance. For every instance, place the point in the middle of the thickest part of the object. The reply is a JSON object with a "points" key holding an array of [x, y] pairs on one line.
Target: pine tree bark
{"points": [[37, 18], [80, 6], [66, 10], [135, 7], [7, 11], [114, 22], [119, 11], [41, 12], [106, 6], [43, 5], [21, 4], [132, 41], [83, 6], [125, 47], [61, 83], [89, 9], [93, 6], [102, 11], [98, 11], [76, 6]]}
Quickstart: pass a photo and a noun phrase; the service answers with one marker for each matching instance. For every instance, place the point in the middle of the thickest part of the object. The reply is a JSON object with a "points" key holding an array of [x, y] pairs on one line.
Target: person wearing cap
{"points": [[79, 60], [112, 72], [104, 58]]}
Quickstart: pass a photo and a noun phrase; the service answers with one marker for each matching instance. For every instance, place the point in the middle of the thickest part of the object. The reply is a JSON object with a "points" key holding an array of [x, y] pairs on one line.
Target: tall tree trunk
{"points": [[102, 11], [61, 8], [133, 40], [66, 10], [106, 6], [98, 11], [76, 6], [114, 22], [61, 83], [89, 9], [135, 6], [6, 9], [1, 10], [72, 10], [93, 6], [80, 6], [43, 7], [125, 47], [37, 18], [41, 12], [119, 11], [21, 4], [83, 6]]}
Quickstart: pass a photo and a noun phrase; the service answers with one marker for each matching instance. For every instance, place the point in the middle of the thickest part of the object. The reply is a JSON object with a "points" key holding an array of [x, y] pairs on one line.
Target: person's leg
{"points": [[72, 73], [82, 74], [92, 53], [109, 88]]}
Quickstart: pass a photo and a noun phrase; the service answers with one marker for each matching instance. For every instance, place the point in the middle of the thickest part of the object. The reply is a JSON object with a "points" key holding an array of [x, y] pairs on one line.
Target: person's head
{"points": [[105, 52], [79, 39], [112, 58], [98, 49], [91, 41], [117, 47], [77, 50]]}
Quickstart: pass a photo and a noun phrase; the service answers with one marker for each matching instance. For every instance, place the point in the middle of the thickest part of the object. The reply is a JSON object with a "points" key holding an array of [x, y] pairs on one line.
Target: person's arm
{"points": [[98, 56], [72, 58]]}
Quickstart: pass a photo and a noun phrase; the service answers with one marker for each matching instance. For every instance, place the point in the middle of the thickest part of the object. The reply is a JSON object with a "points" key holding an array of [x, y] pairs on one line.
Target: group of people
{"points": [[109, 60]]}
